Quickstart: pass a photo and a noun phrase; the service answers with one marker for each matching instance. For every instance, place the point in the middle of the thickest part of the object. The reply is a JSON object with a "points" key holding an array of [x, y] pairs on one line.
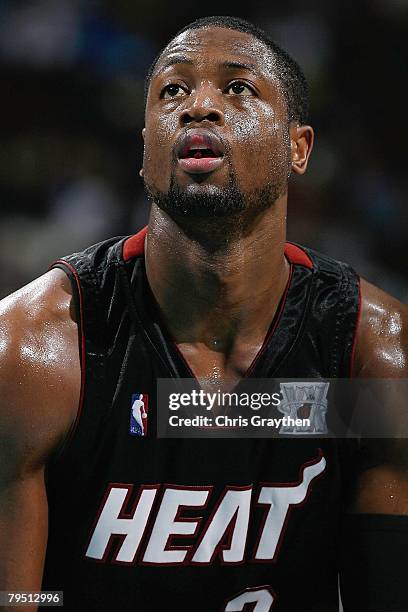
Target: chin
{"points": [[202, 189]]}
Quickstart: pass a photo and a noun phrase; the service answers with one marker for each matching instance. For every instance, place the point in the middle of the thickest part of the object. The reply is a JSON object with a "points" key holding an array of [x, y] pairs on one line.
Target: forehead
{"points": [[218, 45]]}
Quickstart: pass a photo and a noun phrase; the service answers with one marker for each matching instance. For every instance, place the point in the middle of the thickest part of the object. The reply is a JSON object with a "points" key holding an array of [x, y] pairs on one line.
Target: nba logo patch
{"points": [[138, 414]]}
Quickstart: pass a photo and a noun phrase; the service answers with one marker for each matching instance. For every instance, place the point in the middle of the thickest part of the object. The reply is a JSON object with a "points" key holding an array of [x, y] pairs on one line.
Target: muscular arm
{"points": [[382, 336], [39, 394], [382, 352], [375, 531]]}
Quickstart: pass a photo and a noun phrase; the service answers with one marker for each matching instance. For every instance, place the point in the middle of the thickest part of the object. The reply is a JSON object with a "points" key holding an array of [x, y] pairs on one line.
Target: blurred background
{"points": [[72, 95]]}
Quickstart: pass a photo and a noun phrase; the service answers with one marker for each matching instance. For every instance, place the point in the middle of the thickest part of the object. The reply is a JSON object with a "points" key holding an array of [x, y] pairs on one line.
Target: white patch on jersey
{"points": [[224, 535], [260, 596], [132, 527], [166, 525], [280, 499], [234, 503]]}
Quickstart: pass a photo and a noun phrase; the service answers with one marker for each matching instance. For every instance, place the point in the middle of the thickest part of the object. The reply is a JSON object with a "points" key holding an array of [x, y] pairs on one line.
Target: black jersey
{"points": [[203, 525]]}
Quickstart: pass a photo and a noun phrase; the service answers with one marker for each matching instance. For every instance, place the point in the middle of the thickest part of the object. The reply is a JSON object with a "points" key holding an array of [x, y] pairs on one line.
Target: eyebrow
{"points": [[230, 65], [175, 59], [240, 66]]}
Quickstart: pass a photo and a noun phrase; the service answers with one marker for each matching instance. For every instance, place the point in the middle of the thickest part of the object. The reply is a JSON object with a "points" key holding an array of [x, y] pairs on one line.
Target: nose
{"points": [[202, 107]]}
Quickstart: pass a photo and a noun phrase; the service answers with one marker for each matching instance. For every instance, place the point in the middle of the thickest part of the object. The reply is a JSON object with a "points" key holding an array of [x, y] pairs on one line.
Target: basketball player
{"points": [[211, 290]]}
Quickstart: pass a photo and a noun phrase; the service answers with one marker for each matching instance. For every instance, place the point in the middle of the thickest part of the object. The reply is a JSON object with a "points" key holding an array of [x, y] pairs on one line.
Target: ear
{"points": [[301, 140]]}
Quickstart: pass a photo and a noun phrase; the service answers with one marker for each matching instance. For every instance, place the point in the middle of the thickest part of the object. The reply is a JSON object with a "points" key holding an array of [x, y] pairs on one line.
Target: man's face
{"points": [[217, 133]]}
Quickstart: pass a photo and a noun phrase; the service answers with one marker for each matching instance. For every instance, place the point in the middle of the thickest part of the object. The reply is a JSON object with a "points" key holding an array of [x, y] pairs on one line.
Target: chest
{"points": [[217, 364]]}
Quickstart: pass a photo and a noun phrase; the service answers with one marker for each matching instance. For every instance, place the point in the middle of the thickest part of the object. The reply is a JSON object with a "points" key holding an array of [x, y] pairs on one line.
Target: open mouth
{"points": [[200, 151]]}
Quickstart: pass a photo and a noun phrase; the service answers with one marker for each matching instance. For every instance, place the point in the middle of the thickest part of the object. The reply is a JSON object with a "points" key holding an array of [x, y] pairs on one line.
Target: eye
{"points": [[172, 91], [239, 88]]}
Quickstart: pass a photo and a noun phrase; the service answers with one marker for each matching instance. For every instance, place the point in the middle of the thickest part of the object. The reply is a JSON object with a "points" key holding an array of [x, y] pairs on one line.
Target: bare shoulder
{"points": [[382, 352], [382, 336], [39, 370]]}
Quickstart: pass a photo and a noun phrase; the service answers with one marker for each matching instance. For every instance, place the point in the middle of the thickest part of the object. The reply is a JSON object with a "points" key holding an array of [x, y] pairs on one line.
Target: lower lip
{"points": [[200, 166]]}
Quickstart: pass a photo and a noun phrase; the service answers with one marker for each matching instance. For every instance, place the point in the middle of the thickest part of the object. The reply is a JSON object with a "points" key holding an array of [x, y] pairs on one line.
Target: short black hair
{"points": [[293, 80]]}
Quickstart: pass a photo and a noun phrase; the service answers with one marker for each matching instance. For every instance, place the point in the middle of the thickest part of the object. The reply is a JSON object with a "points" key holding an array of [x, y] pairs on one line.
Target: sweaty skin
{"points": [[202, 270], [382, 352], [202, 279], [39, 390]]}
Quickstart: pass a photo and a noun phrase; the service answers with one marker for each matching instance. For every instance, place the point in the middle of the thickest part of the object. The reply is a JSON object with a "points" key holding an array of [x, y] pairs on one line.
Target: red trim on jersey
{"points": [[296, 255], [272, 330], [83, 350], [353, 350], [134, 247]]}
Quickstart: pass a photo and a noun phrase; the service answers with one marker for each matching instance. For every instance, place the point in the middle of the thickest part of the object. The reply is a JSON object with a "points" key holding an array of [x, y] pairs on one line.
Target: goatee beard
{"points": [[211, 202]]}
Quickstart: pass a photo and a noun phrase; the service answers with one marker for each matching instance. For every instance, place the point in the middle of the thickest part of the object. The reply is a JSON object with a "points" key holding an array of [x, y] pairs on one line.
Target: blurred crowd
{"points": [[72, 92]]}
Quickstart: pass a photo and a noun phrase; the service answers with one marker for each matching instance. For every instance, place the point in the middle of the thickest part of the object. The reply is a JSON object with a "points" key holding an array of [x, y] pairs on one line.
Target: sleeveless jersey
{"points": [[204, 525]]}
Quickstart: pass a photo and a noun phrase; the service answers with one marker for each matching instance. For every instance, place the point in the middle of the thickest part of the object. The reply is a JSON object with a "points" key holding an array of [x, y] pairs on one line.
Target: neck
{"points": [[217, 284]]}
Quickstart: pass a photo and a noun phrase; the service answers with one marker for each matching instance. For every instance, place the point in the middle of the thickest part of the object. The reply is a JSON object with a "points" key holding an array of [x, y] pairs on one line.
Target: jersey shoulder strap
{"points": [[334, 310]]}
